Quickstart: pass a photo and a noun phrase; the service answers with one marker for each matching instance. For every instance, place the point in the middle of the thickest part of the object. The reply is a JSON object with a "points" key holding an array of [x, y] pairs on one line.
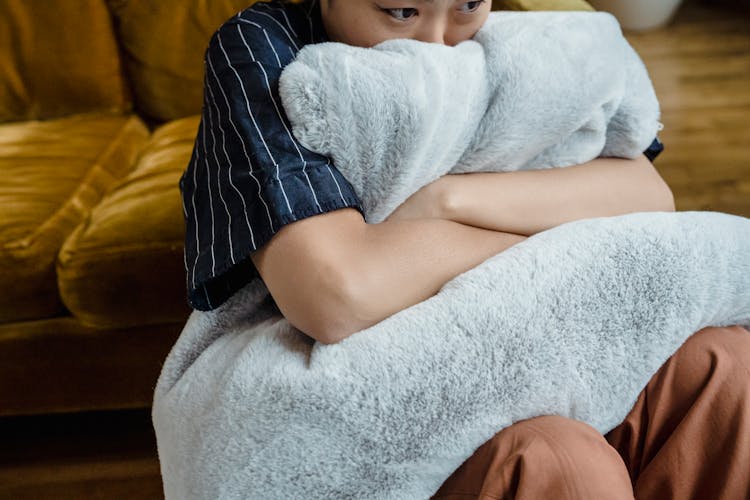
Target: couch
{"points": [[100, 102]]}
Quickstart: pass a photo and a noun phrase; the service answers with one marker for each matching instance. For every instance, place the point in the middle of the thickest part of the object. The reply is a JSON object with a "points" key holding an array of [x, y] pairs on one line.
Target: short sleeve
{"points": [[248, 176], [654, 149]]}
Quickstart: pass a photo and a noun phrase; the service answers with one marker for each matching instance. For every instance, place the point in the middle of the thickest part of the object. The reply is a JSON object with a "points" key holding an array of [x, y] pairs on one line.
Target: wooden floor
{"points": [[700, 66]]}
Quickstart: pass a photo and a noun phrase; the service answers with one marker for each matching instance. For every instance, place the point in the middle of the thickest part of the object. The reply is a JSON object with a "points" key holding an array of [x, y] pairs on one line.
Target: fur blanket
{"points": [[530, 90], [573, 321]]}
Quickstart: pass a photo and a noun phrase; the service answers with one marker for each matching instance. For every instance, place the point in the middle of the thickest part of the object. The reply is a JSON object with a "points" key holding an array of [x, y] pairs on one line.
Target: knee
{"points": [[556, 430], [548, 456], [568, 442], [734, 339], [717, 357], [714, 351], [556, 457]]}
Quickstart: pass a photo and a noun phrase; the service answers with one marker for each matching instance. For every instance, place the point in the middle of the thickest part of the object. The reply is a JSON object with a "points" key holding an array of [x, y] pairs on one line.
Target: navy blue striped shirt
{"points": [[248, 176]]}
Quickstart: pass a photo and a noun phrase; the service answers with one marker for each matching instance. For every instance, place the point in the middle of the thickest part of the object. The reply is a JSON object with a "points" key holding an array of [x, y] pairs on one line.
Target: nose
{"points": [[433, 39], [434, 33]]}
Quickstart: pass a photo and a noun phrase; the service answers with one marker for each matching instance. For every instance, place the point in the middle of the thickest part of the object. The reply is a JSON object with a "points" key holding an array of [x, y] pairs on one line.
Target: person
{"points": [[260, 206]]}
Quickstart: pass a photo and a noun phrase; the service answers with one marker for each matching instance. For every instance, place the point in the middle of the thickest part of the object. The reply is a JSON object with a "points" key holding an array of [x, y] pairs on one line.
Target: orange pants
{"points": [[686, 437]]}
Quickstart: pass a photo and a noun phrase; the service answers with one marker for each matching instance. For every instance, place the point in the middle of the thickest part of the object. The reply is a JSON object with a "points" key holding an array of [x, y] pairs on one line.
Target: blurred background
{"points": [[700, 66], [93, 138]]}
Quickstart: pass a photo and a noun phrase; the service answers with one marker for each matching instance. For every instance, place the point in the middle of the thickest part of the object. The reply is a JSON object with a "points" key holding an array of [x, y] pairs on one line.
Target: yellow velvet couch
{"points": [[99, 107]]}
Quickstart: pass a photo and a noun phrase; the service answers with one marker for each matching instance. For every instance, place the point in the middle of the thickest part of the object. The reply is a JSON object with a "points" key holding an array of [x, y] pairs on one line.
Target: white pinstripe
{"points": [[252, 117], [212, 119], [278, 9], [251, 11], [211, 205], [195, 215], [309, 19], [184, 249], [229, 161], [328, 164], [218, 175], [208, 299], [265, 33], [281, 119]]}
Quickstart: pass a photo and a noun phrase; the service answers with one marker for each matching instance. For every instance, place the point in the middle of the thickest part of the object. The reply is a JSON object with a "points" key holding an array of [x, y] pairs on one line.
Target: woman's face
{"points": [[365, 23]]}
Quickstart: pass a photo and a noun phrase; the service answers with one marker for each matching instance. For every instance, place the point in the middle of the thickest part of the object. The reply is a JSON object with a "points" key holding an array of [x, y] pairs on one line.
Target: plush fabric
{"points": [[54, 172], [123, 266], [166, 71], [572, 321], [58, 58], [541, 5], [530, 90]]}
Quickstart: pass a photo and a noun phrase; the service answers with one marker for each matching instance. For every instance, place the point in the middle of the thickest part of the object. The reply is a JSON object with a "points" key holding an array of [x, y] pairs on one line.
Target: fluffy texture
{"points": [[572, 321], [530, 90]]}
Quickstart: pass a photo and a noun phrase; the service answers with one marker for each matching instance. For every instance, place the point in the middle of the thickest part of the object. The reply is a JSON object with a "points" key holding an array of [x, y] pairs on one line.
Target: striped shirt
{"points": [[248, 176]]}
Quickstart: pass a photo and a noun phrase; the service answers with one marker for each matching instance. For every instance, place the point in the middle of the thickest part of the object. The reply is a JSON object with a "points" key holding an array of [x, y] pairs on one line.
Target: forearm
{"points": [[399, 263], [530, 201]]}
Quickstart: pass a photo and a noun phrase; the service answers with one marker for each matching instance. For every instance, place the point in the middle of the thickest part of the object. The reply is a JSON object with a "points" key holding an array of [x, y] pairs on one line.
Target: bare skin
{"points": [[333, 274], [365, 23]]}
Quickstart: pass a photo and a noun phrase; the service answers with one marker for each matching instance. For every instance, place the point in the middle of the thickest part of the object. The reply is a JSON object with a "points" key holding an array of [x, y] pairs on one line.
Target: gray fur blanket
{"points": [[531, 90], [573, 321]]}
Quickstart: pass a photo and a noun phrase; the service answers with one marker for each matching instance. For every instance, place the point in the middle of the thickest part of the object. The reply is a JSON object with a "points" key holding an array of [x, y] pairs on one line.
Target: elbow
{"points": [[316, 301], [670, 203], [663, 196], [666, 198], [336, 318]]}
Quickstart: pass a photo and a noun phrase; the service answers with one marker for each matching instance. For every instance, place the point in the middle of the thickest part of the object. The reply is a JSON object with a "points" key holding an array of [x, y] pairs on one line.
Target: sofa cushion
{"points": [[54, 172], [166, 71], [124, 265], [541, 5], [57, 58]]}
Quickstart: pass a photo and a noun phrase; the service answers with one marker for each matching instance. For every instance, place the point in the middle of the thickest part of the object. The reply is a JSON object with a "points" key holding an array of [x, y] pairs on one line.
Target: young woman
{"points": [[258, 205]]}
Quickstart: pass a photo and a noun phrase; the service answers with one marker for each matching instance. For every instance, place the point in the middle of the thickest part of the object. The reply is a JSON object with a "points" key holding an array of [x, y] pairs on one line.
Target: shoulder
{"points": [[266, 31]]}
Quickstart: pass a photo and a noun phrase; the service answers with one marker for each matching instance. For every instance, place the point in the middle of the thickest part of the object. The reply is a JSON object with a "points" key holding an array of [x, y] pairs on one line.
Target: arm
{"points": [[530, 201], [332, 274]]}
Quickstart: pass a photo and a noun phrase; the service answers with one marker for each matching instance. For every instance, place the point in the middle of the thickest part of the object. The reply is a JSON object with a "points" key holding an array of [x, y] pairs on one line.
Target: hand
{"points": [[427, 203]]}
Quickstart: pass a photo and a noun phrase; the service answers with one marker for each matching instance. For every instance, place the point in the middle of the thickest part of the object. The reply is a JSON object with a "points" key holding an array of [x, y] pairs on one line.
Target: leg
{"points": [[538, 458], [688, 434]]}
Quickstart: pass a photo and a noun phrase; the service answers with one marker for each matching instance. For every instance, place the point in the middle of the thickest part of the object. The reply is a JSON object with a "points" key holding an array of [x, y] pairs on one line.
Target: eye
{"points": [[474, 4], [401, 10]]}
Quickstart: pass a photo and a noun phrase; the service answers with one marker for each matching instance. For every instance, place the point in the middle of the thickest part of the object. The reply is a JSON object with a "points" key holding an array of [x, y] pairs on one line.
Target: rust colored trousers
{"points": [[686, 438]]}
